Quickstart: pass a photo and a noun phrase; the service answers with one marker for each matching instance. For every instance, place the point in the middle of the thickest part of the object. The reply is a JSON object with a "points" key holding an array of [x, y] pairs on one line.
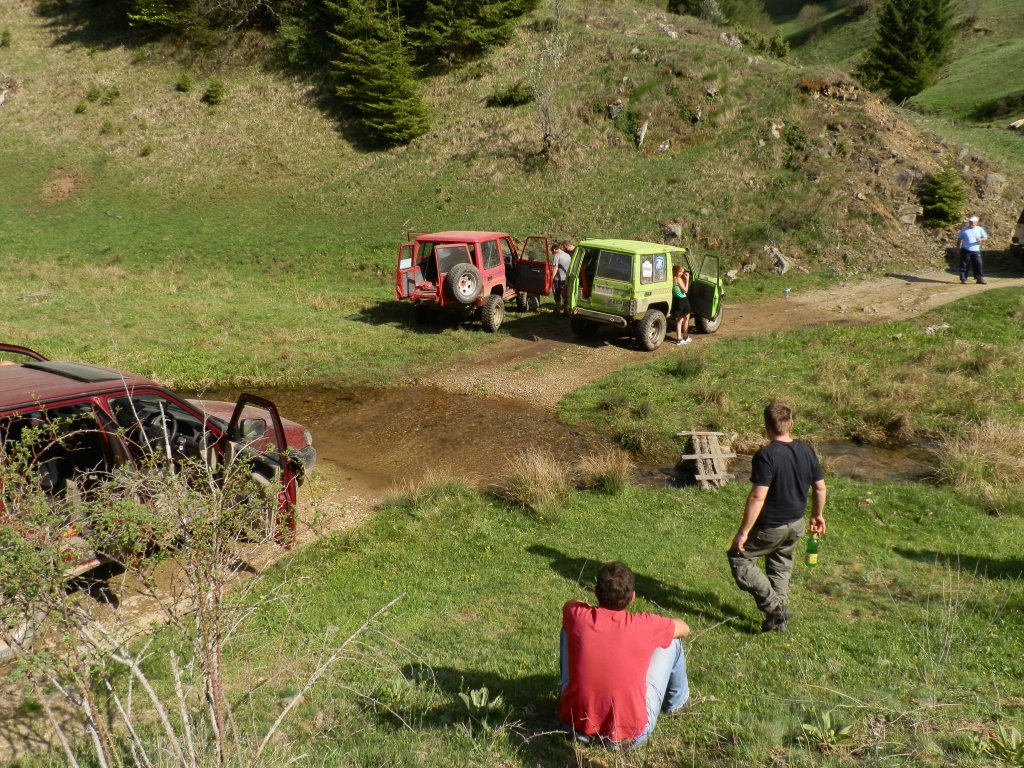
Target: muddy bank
{"points": [[372, 440]]}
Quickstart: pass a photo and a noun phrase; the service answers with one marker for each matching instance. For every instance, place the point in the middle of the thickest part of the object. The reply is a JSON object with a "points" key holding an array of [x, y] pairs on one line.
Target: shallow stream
{"points": [[371, 439]]}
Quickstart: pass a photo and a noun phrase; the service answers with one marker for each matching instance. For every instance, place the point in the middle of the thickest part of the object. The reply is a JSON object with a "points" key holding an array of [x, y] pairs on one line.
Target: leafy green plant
{"points": [[214, 93], [824, 733], [1006, 747], [480, 704], [943, 197]]}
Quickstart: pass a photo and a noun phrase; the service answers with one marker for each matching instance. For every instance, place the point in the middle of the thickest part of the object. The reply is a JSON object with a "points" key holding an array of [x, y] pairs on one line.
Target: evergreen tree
{"points": [[911, 45], [446, 32], [375, 76]]}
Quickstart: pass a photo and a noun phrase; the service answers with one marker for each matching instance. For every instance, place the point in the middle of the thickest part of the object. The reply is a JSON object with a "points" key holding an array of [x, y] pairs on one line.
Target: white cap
{"points": [[973, 218]]}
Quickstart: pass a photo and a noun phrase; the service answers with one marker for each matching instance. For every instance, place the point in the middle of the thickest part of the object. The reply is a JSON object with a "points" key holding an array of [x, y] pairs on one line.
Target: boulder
{"points": [[672, 232], [780, 264], [993, 185]]}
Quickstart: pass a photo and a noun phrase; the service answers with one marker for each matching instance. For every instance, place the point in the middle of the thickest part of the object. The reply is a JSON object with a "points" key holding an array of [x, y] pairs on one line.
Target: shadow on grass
{"points": [[539, 325], [671, 599], [988, 567], [98, 24], [527, 713]]}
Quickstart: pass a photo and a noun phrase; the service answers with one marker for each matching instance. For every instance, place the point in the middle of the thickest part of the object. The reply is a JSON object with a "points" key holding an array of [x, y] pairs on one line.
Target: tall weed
{"points": [[536, 481], [608, 471], [987, 461]]}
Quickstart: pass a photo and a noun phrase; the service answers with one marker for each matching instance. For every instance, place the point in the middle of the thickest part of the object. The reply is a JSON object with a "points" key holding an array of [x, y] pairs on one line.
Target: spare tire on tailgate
{"points": [[463, 283]]}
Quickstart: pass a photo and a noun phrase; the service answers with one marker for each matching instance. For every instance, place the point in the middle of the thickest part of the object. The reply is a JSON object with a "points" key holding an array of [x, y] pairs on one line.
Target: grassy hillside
{"points": [[968, 105], [140, 222]]}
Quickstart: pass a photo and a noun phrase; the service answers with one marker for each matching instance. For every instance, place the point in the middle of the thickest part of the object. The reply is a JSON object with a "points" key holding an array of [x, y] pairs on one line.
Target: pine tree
{"points": [[911, 45], [376, 78], [446, 32]]}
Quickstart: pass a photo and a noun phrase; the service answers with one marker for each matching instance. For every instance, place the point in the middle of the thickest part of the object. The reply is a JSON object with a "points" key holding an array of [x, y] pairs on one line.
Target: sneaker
{"points": [[963, 282], [980, 282], [679, 342], [687, 340]]}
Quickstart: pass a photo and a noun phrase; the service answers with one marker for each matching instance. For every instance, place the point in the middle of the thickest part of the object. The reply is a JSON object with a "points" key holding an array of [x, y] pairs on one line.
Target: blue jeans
{"points": [[667, 687], [970, 259]]}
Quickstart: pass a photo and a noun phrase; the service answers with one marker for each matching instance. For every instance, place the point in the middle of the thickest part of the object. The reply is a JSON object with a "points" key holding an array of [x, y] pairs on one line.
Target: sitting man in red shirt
{"points": [[619, 670]]}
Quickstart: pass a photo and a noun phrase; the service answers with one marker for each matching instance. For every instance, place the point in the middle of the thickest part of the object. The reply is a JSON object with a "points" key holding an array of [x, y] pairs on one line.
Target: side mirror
{"points": [[252, 428]]}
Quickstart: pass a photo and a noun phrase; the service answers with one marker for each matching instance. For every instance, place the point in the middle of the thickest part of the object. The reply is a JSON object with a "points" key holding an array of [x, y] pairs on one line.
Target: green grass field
{"points": [[253, 244]]}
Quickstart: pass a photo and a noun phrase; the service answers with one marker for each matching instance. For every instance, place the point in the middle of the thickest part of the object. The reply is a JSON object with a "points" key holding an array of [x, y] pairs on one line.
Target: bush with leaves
{"points": [[214, 93], [943, 197]]}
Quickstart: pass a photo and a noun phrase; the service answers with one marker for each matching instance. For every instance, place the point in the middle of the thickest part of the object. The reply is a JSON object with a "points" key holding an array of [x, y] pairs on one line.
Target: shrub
{"points": [[80, 107], [5, 39], [943, 197], [184, 84], [214, 93], [514, 95], [147, 149], [109, 95], [770, 45], [94, 93]]}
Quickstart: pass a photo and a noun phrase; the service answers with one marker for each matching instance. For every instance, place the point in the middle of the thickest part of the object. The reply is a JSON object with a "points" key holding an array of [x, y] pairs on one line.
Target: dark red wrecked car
{"points": [[102, 419]]}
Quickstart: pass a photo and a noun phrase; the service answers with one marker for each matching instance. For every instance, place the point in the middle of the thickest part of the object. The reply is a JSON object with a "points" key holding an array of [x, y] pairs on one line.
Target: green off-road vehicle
{"points": [[628, 284]]}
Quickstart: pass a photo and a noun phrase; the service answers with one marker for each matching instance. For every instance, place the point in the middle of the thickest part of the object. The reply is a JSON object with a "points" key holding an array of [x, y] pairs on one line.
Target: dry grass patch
{"points": [[608, 471], [987, 460], [536, 481]]}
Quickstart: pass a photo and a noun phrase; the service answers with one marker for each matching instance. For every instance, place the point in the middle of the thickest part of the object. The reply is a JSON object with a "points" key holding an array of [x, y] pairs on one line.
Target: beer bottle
{"points": [[811, 559]]}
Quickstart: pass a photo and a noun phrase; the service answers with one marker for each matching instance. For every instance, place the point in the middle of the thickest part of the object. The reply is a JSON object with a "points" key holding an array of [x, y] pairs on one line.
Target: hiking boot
{"points": [[777, 620]]}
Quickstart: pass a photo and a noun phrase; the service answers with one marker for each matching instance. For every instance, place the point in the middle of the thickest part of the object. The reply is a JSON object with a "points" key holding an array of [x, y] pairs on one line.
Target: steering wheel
{"points": [[160, 427]]}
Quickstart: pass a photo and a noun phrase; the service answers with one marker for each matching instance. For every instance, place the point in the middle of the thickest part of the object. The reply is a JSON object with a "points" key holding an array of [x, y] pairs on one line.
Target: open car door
{"points": [[256, 433], [533, 270], [408, 274], [705, 292]]}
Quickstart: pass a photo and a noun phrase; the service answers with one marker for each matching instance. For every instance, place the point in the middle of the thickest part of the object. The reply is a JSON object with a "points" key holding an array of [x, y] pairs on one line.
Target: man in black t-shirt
{"points": [[773, 519]]}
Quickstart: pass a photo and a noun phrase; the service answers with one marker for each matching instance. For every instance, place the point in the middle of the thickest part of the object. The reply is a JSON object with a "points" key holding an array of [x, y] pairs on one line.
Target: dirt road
{"points": [[543, 371]]}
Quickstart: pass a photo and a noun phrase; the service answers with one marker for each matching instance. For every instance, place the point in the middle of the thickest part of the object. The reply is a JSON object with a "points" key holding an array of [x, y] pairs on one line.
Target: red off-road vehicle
{"points": [[99, 421], [472, 274]]}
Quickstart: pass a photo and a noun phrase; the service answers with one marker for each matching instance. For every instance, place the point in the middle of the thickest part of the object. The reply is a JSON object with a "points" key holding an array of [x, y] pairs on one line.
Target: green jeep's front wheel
{"points": [[709, 325], [650, 331]]}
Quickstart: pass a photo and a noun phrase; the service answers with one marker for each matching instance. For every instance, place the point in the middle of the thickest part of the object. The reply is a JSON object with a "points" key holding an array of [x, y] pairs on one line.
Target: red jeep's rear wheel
{"points": [[463, 283], [493, 313]]}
